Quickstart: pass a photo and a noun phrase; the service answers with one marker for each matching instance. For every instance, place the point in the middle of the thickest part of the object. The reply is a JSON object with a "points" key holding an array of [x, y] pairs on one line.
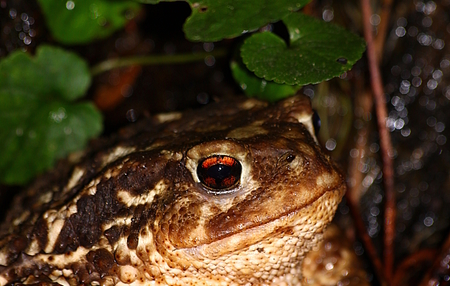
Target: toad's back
{"points": [[233, 194]]}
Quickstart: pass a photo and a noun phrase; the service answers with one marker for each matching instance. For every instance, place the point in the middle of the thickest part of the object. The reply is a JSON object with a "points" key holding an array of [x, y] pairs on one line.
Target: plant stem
{"points": [[363, 101], [385, 142], [412, 263], [154, 60], [386, 7], [364, 236], [439, 270]]}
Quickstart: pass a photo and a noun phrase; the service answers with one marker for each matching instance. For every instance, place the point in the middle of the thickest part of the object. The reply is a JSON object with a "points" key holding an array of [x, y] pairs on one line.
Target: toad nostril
{"points": [[290, 158]]}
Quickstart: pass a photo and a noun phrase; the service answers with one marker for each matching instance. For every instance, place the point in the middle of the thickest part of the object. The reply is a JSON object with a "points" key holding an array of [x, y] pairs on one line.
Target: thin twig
{"points": [[364, 105], [367, 241], [154, 60], [385, 143], [440, 267], [411, 264], [386, 6], [363, 102], [414, 260]]}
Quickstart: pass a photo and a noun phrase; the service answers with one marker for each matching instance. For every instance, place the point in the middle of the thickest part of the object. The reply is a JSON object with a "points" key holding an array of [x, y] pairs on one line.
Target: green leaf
{"points": [[39, 120], [153, 1], [318, 51], [258, 87], [81, 21], [214, 20]]}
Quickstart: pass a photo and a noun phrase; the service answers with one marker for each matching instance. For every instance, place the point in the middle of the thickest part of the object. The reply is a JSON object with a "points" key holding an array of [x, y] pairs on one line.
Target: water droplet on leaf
{"points": [[342, 61]]}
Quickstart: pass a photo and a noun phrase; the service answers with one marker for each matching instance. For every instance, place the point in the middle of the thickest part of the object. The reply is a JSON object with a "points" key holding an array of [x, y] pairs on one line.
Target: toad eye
{"points": [[219, 172]]}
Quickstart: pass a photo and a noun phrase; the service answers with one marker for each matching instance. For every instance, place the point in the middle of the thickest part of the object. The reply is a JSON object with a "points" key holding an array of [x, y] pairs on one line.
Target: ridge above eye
{"points": [[219, 172]]}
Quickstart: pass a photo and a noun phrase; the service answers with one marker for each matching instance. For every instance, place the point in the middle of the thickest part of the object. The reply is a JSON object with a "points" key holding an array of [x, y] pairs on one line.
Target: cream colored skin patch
{"points": [[131, 200], [76, 176], [167, 117], [139, 213], [248, 131], [117, 153]]}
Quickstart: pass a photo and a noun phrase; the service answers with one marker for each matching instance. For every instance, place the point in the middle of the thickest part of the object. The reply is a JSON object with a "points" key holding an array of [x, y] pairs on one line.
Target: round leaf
{"points": [[40, 123], [318, 51], [258, 87], [214, 20], [81, 21]]}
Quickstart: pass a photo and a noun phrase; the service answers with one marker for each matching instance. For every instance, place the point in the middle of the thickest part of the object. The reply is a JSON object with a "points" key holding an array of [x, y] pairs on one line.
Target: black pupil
{"points": [[219, 172]]}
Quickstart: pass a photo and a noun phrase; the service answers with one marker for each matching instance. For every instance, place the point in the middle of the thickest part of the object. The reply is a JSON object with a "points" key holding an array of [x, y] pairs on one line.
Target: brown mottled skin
{"points": [[132, 210]]}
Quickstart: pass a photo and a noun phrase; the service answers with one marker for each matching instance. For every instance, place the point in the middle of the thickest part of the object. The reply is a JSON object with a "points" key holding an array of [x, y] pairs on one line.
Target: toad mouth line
{"points": [[279, 225]]}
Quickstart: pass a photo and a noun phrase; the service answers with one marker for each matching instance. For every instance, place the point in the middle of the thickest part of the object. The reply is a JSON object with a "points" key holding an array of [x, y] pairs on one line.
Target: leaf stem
{"points": [[385, 142], [154, 60]]}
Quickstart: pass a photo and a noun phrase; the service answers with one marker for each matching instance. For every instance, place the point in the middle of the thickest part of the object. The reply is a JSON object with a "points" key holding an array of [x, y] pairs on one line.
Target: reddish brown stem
{"points": [[440, 267], [364, 105], [385, 142], [414, 260], [386, 6], [364, 236], [364, 102]]}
